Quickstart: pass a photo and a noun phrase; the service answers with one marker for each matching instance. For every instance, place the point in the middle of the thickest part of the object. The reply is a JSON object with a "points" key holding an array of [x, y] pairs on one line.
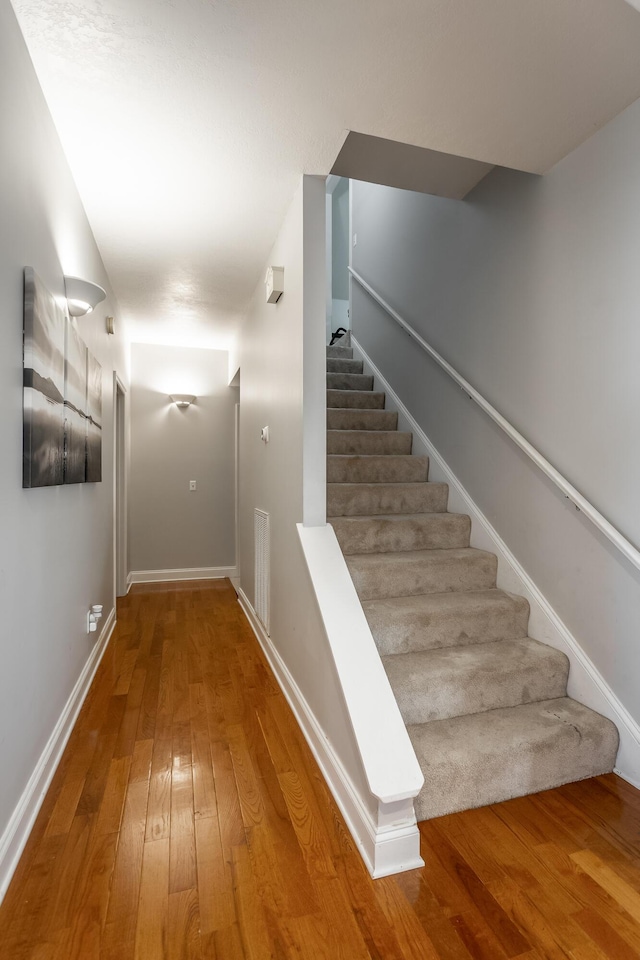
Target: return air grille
{"points": [[262, 567]]}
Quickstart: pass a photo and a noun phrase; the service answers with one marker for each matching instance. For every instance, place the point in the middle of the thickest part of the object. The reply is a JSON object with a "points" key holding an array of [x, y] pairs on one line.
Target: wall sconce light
{"points": [[274, 283], [182, 399], [82, 295]]}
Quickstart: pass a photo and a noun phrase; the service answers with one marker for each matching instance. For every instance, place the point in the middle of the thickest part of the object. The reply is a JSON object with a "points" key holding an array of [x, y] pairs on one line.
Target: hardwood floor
{"points": [[188, 821]]}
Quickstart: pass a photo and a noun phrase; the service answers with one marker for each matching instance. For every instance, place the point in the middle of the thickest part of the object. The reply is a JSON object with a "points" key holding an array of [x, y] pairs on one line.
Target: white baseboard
{"points": [[183, 573], [385, 848], [17, 832], [586, 683]]}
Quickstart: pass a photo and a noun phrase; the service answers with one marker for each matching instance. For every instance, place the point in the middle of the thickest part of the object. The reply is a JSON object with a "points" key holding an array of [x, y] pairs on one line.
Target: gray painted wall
{"points": [[271, 475], [531, 288], [56, 543], [340, 241], [171, 527]]}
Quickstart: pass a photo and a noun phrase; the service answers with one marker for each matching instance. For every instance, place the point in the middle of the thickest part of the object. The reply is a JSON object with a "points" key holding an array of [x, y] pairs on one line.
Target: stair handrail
{"points": [[611, 533]]}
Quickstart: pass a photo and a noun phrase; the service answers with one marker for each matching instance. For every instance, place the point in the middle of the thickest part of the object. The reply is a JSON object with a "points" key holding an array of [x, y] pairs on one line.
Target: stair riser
{"points": [[352, 500], [431, 532], [361, 420], [361, 399], [517, 754], [338, 365], [402, 631], [349, 381], [372, 443], [340, 353], [418, 575], [485, 677], [377, 469]]}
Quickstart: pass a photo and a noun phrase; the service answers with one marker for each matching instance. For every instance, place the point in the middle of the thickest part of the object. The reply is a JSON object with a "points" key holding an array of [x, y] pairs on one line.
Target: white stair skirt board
{"points": [[389, 840], [183, 573], [586, 684], [16, 834]]}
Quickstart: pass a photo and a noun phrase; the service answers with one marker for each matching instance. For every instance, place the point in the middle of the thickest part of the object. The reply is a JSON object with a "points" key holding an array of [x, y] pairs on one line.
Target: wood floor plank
{"points": [[558, 935], [110, 812], [252, 924], [151, 926], [83, 936], [159, 806], [125, 885], [622, 892], [611, 944], [141, 761], [215, 881], [183, 926], [182, 869], [188, 820], [65, 809]]}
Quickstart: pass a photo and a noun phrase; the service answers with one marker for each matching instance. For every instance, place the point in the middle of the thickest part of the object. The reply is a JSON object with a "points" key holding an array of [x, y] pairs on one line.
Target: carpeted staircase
{"points": [[485, 705]]}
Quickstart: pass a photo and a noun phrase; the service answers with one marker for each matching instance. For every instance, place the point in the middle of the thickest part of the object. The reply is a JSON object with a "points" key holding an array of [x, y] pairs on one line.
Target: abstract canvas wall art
{"points": [[94, 420], [43, 379], [62, 395], [75, 406]]}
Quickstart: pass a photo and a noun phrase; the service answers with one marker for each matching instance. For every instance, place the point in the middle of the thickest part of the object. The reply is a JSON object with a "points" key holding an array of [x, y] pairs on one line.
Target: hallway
{"points": [[188, 821]]}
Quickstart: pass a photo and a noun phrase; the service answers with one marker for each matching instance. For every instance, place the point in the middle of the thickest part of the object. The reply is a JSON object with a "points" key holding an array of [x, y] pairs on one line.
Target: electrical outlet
{"points": [[193, 485]]}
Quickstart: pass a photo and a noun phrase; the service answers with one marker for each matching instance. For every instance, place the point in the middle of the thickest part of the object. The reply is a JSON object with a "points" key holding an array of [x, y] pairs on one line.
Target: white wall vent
{"points": [[262, 567]]}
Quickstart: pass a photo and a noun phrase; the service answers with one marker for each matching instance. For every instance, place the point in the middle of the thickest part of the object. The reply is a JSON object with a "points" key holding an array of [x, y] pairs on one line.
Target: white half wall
{"points": [[56, 543]]}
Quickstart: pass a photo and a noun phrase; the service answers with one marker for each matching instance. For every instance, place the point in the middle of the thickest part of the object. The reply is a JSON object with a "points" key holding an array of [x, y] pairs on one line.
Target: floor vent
{"points": [[262, 567]]}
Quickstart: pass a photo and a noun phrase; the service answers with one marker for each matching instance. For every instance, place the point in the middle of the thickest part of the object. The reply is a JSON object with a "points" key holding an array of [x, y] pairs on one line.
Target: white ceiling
{"points": [[187, 123]]}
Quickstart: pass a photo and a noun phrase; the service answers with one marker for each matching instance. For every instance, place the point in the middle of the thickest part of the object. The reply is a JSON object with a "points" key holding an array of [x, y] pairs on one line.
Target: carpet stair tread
{"points": [[349, 418], [483, 758], [384, 468], [392, 533], [437, 620], [454, 681], [343, 365], [415, 572], [349, 381], [374, 499], [369, 442], [360, 399], [336, 352]]}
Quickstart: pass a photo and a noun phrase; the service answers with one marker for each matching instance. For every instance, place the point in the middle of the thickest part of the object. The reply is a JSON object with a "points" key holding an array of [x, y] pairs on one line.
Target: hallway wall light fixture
{"points": [[182, 399], [82, 295]]}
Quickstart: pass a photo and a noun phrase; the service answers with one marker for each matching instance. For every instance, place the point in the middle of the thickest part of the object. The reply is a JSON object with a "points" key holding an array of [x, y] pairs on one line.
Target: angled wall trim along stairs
{"points": [[485, 705], [585, 684]]}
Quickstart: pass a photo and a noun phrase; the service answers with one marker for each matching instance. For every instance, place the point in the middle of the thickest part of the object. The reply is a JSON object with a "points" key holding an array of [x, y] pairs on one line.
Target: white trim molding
{"points": [[181, 573], [16, 834], [389, 840], [586, 683]]}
